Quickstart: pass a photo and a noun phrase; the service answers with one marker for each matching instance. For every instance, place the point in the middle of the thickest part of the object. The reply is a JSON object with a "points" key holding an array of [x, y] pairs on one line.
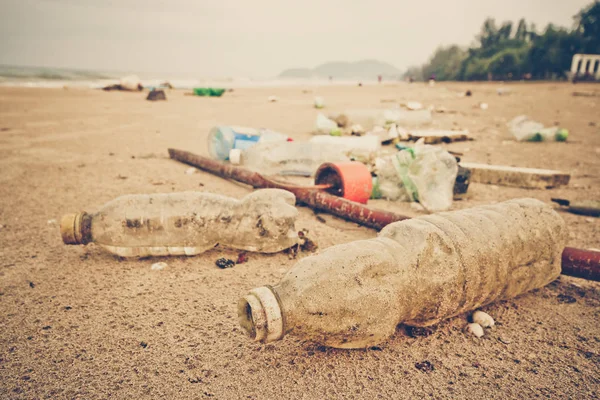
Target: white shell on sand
{"points": [[474, 329], [483, 319]]}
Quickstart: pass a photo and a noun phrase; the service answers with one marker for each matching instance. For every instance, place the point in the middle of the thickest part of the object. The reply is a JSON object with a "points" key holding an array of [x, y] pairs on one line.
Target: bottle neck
{"points": [[76, 228]]}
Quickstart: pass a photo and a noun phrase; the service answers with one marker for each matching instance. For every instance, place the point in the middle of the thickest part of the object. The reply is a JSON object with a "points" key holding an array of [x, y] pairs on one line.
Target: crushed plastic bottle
{"points": [[417, 272], [187, 223], [525, 129], [423, 173], [327, 126], [222, 139], [288, 158]]}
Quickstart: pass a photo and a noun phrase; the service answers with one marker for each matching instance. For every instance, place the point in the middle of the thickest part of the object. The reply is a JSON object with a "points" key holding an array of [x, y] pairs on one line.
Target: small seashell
{"points": [[483, 319], [474, 329], [158, 266]]}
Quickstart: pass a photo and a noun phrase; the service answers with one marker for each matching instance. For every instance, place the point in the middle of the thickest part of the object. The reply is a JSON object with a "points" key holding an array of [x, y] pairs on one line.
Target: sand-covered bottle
{"points": [[187, 223], [417, 272]]}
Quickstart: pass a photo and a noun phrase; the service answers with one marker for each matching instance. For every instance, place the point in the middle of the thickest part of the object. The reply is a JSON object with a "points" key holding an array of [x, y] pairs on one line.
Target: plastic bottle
{"points": [[369, 118], [288, 158], [423, 173], [327, 126], [187, 223], [222, 139], [416, 272], [525, 129], [360, 148]]}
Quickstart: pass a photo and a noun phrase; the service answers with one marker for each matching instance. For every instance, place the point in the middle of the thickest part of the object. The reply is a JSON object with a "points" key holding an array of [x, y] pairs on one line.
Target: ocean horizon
{"points": [[50, 77]]}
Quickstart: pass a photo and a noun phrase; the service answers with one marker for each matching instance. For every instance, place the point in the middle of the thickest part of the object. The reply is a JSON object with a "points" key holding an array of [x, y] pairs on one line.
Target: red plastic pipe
{"points": [[575, 262], [312, 196]]}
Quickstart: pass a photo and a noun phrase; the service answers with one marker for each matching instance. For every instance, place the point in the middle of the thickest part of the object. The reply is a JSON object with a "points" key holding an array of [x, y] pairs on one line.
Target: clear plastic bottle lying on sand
{"points": [[370, 118], [187, 223], [287, 158], [417, 272], [222, 139]]}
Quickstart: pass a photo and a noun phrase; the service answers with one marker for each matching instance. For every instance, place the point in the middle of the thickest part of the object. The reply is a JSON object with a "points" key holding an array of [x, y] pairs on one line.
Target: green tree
{"points": [[521, 33], [445, 63], [588, 26]]}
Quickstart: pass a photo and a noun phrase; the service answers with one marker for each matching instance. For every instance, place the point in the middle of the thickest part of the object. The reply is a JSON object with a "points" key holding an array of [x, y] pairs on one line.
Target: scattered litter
{"points": [[319, 102], [242, 257], [468, 93], [525, 129], [474, 329], [225, 263], [208, 92], [502, 91], [154, 95], [531, 178], [586, 207], [50, 222], [483, 106], [263, 222], [273, 99], [123, 177], [191, 171], [483, 319], [158, 266], [31, 285], [425, 366], [433, 136]]}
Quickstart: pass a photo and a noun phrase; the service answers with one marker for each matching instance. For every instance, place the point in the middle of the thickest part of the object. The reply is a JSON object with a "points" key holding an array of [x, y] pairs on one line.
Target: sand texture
{"points": [[78, 322]]}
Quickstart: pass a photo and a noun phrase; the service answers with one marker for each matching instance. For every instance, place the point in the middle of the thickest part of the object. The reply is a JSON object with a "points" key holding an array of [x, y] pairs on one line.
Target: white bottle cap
{"points": [[235, 156]]}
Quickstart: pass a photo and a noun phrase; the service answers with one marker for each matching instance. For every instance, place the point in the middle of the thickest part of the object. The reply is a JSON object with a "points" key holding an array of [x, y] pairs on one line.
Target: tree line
{"points": [[505, 52]]}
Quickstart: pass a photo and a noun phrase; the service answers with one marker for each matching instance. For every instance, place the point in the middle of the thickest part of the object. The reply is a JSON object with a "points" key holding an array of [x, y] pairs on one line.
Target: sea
{"points": [[44, 77]]}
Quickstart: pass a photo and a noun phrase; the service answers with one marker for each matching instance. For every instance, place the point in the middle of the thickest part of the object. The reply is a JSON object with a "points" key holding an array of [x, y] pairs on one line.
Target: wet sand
{"points": [[78, 322]]}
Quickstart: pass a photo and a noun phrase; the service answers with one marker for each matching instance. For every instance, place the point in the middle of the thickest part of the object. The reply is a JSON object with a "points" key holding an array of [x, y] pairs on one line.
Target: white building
{"points": [[586, 63]]}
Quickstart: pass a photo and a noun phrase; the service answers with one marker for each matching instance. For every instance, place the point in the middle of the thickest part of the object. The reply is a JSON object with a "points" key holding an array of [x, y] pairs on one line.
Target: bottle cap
{"points": [[235, 156], [76, 228], [260, 315]]}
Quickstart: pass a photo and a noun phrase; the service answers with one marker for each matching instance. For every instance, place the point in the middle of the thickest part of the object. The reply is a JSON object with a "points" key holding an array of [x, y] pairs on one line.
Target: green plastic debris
{"points": [[211, 92]]}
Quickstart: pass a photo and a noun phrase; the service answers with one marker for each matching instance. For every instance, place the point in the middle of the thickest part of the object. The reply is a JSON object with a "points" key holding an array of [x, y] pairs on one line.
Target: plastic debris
{"points": [[426, 174], [525, 129], [429, 268], [187, 223]]}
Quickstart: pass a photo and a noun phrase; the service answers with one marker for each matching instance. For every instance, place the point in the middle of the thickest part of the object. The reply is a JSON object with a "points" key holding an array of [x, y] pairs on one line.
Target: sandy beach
{"points": [[77, 322]]}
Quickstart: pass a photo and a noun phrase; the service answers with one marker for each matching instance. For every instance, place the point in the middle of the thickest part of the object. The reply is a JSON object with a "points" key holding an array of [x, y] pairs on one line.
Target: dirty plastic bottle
{"points": [[525, 129], [416, 272], [423, 173], [287, 158], [360, 148], [187, 223], [222, 139]]}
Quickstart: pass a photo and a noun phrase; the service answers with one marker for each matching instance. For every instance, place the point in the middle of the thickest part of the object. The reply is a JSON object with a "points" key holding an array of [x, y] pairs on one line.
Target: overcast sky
{"points": [[258, 38]]}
